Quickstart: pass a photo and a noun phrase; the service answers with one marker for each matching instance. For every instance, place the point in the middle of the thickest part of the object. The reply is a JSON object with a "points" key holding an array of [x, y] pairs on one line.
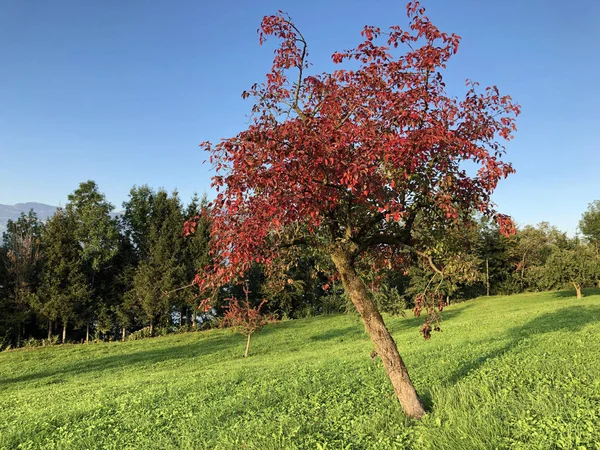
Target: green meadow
{"points": [[518, 372]]}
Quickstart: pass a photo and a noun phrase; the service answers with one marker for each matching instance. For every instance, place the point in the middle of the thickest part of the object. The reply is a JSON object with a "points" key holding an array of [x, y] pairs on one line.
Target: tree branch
{"points": [[395, 241]]}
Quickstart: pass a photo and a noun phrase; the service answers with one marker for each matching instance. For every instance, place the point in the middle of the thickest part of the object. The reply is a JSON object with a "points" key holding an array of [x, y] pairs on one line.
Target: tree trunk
{"points": [[87, 333], [49, 330], [194, 318], [19, 332], [487, 276], [384, 343], [247, 346], [578, 290], [64, 334], [181, 318], [151, 329], [123, 334]]}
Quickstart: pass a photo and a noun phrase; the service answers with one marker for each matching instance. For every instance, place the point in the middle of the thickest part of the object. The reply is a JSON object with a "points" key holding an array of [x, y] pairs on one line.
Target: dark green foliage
{"points": [[195, 256], [534, 245], [65, 293], [162, 270], [113, 276], [497, 251], [94, 228], [137, 218], [20, 277], [98, 236], [590, 223], [578, 266]]}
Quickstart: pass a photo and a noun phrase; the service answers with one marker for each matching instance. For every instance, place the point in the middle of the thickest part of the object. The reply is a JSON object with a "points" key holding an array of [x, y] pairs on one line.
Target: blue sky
{"points": [[122, 92]]}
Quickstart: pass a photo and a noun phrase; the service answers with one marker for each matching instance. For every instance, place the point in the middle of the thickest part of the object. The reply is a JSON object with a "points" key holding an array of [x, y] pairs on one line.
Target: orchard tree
{"points": [[344, 161], [590, 223], [578, 266], [534, 245]]}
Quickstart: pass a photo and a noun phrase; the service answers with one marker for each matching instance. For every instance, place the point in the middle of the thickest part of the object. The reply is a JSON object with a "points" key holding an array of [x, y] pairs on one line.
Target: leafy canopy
{"points": [[353, 155]]}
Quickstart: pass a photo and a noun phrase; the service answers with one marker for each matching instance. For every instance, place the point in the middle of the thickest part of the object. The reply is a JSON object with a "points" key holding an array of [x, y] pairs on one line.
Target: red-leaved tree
{"points": [[347, 161], [245, 318]]}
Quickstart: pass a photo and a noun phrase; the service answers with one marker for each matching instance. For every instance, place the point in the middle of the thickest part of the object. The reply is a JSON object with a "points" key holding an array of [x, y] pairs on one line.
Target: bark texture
{"points": [[375, 326], [247, 346]]}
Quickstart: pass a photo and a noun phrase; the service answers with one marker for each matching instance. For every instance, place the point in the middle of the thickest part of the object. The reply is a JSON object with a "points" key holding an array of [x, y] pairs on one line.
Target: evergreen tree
{"points": [[195, 254], [137, 219], [162, 271], [496, 253], [65, 294], [97, 233]]}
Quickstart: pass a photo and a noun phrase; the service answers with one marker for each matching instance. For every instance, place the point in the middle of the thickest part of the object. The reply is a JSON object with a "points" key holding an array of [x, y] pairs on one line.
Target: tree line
{"points": [[89, 273]]}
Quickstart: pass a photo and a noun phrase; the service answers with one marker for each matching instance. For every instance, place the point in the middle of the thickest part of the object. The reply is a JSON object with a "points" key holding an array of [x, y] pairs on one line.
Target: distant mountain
{"points": [[43, 211], [12, 212]]}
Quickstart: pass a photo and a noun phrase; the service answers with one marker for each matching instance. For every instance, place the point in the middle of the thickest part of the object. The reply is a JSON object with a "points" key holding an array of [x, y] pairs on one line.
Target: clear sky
{"points": [[122, 92]]}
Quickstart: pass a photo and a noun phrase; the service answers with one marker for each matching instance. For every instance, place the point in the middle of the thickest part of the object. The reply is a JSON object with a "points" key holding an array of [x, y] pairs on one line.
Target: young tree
{"points": [[344, 161], [244, 318]]}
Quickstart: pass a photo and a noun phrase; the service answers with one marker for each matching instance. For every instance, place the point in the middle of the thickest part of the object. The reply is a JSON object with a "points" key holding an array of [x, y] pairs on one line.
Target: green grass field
{"points": [[520, 372]]}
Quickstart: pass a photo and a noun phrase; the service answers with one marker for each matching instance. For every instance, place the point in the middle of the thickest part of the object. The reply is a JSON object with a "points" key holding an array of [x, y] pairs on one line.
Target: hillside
{"points": [[505, 372]]}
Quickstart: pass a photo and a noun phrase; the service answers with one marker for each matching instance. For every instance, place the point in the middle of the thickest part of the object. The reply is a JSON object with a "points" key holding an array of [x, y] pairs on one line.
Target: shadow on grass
{"points": [[200, 347], [570, 293], [350, 331], [571, 319], [410, 321]]}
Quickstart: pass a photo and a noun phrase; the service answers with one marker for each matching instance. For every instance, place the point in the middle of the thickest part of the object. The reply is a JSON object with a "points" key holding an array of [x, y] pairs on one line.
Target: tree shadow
{"points": [[572, 319], [570, 293], [201, 347], [350, 331], [411, 321]]}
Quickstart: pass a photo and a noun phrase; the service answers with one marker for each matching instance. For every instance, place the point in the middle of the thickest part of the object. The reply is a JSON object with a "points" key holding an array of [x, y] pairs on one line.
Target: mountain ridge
{"points": [[12, 212]]}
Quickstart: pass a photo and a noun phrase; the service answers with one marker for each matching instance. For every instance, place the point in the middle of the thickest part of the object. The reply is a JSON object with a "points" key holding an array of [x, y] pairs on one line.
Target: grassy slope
{"points": [[506, 372]]}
